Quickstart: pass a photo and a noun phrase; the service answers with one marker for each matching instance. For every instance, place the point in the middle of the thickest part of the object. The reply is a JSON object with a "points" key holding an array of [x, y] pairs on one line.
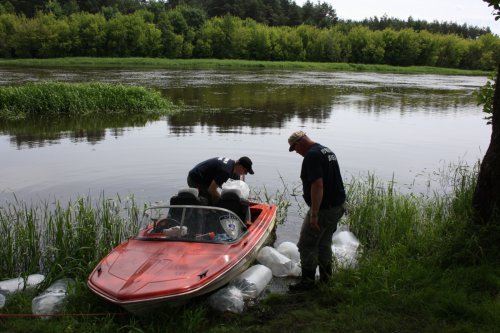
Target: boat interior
{"points": [[188, 218]]}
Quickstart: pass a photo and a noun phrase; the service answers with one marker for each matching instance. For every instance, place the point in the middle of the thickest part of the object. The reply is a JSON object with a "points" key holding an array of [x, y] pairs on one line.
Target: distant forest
{"points": [[274, 30], [269, 12]]}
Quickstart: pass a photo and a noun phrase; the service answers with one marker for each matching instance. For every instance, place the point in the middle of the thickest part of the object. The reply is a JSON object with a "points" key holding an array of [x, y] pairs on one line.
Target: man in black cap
{"points": [[323, 192], [209, 175]]}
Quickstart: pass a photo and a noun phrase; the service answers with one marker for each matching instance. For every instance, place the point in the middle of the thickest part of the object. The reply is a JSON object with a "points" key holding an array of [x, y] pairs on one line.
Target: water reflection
{"points": [[229, 102], [35, 133]]}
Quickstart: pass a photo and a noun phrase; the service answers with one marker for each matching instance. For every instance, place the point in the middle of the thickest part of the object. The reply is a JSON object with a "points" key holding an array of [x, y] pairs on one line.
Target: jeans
{"points": [[202, 190], [315, 246]]}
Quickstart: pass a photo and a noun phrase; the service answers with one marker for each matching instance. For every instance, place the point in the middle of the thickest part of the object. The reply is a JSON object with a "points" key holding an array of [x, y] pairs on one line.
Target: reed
{"points": [[386, 221], [62, 241], [51, 99], [281, 198]]}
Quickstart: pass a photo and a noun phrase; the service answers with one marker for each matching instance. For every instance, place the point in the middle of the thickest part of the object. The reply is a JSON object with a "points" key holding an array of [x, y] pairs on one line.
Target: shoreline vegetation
{"points": [[420, 270], [60, 99], [145, 62]]}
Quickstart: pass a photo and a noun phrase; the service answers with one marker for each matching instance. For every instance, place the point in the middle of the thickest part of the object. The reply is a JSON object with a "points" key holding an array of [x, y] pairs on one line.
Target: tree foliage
{"points": [[463, 30], [182, 31]]}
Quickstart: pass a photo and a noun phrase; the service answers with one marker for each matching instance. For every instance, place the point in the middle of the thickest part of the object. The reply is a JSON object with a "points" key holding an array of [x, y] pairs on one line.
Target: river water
{"points": [[406, 128]]}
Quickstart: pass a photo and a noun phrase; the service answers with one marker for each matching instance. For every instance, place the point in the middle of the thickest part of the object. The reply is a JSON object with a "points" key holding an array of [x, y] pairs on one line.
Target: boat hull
{"points": [[138, 275]]}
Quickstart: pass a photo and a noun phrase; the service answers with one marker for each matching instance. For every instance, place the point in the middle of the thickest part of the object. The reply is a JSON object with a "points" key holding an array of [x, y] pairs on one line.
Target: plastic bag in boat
{"points": [[175, 232], [240, 185], [345, 248], [253, 281], [279, 264], [51, 301], [226, 299]]}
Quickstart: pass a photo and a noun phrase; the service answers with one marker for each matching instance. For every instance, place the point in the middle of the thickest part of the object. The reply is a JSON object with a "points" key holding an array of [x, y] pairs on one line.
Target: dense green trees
{"points": [[269, 12], [462, 30], [185, 32]]}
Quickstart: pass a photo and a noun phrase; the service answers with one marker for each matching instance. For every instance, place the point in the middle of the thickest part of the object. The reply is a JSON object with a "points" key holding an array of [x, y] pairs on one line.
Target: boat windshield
{"points": [[191, 223]]}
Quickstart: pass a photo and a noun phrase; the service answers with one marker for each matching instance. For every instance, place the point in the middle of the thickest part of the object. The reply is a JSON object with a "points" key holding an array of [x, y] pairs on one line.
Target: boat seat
{"points": [[231, 199], [193, 218], [187, 196]]}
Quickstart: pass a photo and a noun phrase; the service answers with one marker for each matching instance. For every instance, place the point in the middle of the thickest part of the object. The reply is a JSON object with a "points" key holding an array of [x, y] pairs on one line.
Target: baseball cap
{"points": [[296, 136], [246, 163]]}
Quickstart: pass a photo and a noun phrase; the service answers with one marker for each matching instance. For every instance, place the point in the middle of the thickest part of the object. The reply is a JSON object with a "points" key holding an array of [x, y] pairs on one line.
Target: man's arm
{"points": [[316, 198], [212, 189]]}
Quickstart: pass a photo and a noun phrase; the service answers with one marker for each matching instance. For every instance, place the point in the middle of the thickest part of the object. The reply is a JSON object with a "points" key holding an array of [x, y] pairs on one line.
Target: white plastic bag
{"points": [[17, 284], [228, 298], [175, 232], [253, 281], [289, 250], [240, 185], [51, 301], [345, 247], [279, 264]]}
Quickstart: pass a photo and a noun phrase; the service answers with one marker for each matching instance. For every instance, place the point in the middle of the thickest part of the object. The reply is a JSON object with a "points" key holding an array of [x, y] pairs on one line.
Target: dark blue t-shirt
{"points": [[219, 169], [320, 161]]}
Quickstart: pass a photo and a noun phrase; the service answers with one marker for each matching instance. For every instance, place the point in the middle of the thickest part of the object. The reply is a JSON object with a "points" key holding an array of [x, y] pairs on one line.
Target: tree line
{"points": [[463, 30], [269, 12], [186, 32]]}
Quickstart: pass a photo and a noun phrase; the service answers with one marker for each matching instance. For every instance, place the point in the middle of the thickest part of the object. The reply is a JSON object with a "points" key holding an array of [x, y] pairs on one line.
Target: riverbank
{"points": [[421, 270], [89, 62]]}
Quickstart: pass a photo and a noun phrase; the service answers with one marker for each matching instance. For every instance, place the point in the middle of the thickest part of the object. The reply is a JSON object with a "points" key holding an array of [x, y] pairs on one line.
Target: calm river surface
{"points": [[403, 127]]}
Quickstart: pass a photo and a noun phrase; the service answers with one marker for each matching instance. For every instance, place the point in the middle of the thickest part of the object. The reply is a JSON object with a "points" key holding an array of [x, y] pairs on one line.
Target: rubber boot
{"points": [[325, 273], [306, 283]]}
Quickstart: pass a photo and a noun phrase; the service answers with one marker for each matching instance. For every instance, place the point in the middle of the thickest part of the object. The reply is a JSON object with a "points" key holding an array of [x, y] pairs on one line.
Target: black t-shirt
{"points": [[320, 161], [219, 169]]}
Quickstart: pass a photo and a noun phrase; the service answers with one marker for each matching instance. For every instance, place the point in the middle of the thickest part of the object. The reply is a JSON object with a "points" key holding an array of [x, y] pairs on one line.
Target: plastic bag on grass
{"points": [[279, 264], [289, 250], [253, 281], [51, 301], [345, 247], [14, 285], [228, 298]]}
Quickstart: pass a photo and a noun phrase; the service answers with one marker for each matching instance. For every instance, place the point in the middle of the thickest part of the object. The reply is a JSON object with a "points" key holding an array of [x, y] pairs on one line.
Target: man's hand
{"points": [[313, 220]]}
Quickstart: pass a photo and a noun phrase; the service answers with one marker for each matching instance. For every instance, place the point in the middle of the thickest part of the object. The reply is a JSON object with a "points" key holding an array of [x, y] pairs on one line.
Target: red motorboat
{"points": [[183, 250]]}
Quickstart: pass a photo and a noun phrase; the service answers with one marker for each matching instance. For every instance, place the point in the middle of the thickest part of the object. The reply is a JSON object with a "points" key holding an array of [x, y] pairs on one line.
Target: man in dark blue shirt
{"points": [[323, 192], [209, 175]]}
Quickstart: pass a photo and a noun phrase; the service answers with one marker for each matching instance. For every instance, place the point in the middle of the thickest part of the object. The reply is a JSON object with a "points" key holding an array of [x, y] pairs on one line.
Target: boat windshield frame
{"points": [[190, 223]]}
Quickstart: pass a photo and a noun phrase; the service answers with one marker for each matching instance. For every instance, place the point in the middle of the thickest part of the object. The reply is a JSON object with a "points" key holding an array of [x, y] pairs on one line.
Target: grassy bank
{"points": [[421, 270], [49, 99], [230, 64]]}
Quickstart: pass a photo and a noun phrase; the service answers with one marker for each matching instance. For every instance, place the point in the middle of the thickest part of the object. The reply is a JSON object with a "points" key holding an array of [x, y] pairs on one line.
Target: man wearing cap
{"points": [[209, 175], [323, 192]]}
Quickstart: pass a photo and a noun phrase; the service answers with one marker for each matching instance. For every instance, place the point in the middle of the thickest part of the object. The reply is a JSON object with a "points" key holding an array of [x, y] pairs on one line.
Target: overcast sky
{"points": [[472, 12]]}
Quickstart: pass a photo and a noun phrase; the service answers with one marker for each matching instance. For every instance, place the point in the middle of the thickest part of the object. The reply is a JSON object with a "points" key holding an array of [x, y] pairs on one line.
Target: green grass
{"points": [[51, 99], [422, 269], [230, 64]]}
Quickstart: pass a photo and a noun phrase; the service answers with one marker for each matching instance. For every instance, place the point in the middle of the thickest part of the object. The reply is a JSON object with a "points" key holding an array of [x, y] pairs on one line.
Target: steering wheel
{"points": [[165, 223]]}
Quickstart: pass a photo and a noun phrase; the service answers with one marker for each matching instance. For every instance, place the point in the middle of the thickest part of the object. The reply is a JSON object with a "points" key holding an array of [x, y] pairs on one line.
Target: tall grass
{"points": [[388, 222], [49, 99], [62, 241]]}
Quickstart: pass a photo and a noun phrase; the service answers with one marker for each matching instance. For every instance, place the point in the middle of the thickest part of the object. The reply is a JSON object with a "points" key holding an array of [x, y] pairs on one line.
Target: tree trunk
{"points": [[486, 200]]}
